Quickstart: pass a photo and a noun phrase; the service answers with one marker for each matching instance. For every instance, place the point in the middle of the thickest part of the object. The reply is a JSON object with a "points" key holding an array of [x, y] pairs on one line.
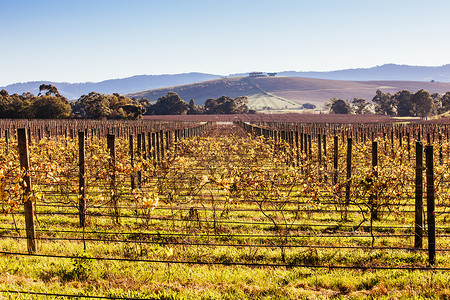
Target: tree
{"points": [[423, 103], [384, 104], [51, 107], [405, 105], [193, 110], [92, 106], [170, 104], [308, 106], [437, 103], [445, 102], [22, 106], [115, 106], [360, 106], [227, 105], [51, 90], [339, 106], [133, 111], [145, 103]]}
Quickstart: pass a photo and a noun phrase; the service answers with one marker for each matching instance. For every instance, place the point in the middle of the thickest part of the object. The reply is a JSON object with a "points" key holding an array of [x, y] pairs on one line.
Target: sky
{"points": [[95, 40]]}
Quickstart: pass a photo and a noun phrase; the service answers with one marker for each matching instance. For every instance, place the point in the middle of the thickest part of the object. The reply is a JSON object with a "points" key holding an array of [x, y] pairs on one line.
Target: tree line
{"points": [[50, 104], [403, 104]]}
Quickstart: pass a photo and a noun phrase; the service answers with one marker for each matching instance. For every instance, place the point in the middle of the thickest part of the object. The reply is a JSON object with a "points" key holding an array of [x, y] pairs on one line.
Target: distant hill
{"points": [[388, 72], [384, 72], [288, 92], [121, 86]]}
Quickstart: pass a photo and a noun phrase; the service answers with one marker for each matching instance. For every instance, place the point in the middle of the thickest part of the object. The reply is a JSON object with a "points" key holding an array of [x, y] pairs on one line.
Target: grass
{"points": [[216, 282]]}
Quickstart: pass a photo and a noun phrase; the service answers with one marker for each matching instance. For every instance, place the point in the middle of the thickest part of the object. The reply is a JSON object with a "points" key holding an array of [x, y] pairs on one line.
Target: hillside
{"points": [[135, 84], [121, 86], [288, 92], [384, 72]]}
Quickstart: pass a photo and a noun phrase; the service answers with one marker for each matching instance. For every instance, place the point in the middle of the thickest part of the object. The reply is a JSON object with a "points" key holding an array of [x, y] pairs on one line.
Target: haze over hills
{"points": [[287, 90]]}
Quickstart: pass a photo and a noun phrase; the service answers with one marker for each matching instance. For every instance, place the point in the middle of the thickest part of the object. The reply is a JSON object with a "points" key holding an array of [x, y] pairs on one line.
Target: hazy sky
{"points": [[95, 40]]}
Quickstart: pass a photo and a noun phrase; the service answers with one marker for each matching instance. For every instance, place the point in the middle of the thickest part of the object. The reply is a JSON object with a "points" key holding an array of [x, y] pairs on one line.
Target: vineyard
{"points": [[247, 209]]}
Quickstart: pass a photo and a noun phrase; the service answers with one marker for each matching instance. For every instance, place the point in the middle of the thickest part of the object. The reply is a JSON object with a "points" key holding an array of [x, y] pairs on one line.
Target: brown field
{"points": [[296, 89], [291, 117]]}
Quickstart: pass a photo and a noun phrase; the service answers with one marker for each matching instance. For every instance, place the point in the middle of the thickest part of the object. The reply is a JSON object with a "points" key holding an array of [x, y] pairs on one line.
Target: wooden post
{"points": [[319, 148], [309, 146], [349, 170], [155, 148], [22, 140], [373, 206], [143, 147], [6, 142], [161, 148], [158, 146], [430, 205], [139, 145], [82, 179], [408, 139], [131, 149], [418, 223], [149, 146], [297, 148], [335, 160], [111, 142]]}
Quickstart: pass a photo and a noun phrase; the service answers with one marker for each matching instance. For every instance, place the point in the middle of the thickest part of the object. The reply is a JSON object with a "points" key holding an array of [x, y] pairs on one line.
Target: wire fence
{"points": [[271, 199]]}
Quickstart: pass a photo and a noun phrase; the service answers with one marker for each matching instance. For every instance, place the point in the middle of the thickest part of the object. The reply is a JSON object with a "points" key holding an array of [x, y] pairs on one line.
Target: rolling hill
{"points": [[384, 72], [121, 86], [138, 83], [288, 92]]}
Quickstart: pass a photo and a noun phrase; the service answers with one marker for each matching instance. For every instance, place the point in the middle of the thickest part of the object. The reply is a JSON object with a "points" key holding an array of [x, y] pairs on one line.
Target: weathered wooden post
{"points": [[297, 147], [158, 146], [372, 204], [418, 222], [139, 154], [430, 205], [22, 140], [111, 142], [82, 178], [161, 148], [335, 160], [131, 150], [155, 148], [319, 148], [6, 141], [349, 171]]}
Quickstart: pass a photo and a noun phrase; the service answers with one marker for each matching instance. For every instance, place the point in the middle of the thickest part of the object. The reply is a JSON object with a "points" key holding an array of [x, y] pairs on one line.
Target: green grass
{"points": [[261, 100]]}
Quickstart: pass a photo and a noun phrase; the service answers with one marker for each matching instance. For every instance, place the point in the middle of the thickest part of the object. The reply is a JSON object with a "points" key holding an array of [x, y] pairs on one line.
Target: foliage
{"points": [[170, 104], [194, 109], [339, 106], [49, 106], [384, 104], [445, 102], [404, 102], [360, 106], [308, 106], [115, 106], [227, 105], [423, 103]]}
